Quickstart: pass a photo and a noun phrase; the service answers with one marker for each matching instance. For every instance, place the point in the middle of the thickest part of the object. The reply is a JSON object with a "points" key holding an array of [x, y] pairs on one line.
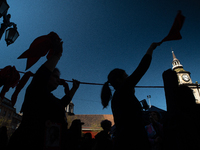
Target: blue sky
{"points": [[100, 35]]}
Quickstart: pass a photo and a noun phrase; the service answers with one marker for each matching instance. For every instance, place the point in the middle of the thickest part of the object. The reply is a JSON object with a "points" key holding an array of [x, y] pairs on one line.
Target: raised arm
{"points": [[135, 77], [152, 47]]}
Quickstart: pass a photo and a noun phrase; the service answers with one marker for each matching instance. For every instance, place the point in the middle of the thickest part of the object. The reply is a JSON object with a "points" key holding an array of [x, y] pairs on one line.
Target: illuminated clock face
{"points": [[186, 77]]}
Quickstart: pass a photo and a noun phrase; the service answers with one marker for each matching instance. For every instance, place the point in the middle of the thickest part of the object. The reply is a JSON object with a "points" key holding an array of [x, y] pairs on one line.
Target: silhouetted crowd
{"points": [[73, 138], [76, 140], [165, 131]]}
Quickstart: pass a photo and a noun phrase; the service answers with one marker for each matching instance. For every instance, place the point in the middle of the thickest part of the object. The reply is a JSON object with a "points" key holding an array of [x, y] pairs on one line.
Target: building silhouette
{"points": [[8, 115]]}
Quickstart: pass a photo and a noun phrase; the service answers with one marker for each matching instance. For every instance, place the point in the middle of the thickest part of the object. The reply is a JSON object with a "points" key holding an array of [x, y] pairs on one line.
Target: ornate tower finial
{"points": [[173, 55], [175, 63]]}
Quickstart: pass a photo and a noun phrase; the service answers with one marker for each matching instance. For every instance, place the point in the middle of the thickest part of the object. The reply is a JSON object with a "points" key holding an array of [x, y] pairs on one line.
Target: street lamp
{"points": [[3, 7], [11, 35]]}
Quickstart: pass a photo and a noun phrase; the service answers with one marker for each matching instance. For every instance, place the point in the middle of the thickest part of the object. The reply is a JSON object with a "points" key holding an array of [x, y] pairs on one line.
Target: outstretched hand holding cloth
{"points": [[39, 48], [174, 33]]}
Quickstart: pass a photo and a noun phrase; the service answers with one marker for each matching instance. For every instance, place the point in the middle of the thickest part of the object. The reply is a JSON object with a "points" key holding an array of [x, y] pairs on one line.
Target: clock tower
{"points": [[184, 78]]}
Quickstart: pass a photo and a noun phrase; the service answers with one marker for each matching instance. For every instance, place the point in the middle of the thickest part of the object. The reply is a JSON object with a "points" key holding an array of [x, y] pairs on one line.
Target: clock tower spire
{"points": [[183, 76], [176, 65]]}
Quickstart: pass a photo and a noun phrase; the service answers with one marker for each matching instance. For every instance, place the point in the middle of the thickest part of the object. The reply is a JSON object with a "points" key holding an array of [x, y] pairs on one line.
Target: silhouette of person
{"points": [[41, 106], [125, 106], [155, 131], [74, 135], [103, 138], [87, 142], [53, 137]]}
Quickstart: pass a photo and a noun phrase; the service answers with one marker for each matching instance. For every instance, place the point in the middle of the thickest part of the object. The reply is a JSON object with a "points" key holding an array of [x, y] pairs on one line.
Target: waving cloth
{"points": [[39, 48], [174, 33], [9, 77]]}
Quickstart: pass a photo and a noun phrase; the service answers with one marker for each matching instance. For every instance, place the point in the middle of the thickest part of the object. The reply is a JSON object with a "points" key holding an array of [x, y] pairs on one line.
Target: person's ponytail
{"points": [[105, 95]]}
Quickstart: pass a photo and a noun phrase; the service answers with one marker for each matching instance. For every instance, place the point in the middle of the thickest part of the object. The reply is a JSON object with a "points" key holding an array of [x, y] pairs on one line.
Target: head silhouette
{"points": [[116, 77], [106, 125]]}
